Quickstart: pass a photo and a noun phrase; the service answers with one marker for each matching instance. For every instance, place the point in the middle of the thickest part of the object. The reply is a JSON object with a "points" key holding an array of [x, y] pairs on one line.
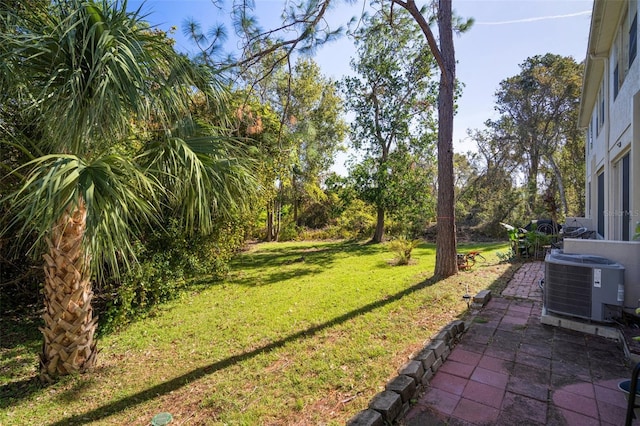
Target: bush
{"points": [[327, 233], [167, 260], [357, 220], [403, 247], [289, 231]]}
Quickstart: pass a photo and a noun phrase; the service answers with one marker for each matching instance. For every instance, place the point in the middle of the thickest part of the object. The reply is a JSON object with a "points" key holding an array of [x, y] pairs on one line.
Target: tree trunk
{"points": [[69, 325], [294, 190], [532, 180], [270, 208], [446, 252], [379, 233], [278, 216], [563, 196], [446, 256]]}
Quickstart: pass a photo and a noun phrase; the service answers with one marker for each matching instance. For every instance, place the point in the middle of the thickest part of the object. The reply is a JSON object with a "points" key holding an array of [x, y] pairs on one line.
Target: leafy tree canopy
{"points": [[392, 97]]}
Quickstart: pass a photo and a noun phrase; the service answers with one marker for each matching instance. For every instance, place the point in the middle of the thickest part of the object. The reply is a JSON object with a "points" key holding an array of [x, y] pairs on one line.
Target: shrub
{"points": [[167, 259], [403, 248], [289, 231], [357, 220]]}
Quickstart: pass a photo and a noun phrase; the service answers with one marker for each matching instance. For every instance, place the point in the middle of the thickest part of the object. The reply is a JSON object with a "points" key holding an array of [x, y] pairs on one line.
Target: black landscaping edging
{"points": [[413, 378]]}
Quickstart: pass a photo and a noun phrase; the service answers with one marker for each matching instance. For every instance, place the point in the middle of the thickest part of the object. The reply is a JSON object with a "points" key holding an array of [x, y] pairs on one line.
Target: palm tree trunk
{"points": [[69, 326]]}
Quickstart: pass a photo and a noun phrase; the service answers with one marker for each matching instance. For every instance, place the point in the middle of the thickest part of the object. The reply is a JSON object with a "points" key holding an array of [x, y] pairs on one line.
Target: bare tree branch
{"points": [[410, 6]]}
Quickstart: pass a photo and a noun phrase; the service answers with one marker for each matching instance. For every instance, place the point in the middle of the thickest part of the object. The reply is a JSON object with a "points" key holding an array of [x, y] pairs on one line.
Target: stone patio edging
{"points": [[414, 376]]}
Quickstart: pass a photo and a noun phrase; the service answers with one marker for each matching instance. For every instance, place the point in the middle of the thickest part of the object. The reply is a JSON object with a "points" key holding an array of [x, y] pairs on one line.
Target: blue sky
{"points": [[505, 33]]}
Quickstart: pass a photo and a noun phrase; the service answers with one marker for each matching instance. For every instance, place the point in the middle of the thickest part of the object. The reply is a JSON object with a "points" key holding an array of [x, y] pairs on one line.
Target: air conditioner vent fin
{"points": [[585, 286], [569, 290]]}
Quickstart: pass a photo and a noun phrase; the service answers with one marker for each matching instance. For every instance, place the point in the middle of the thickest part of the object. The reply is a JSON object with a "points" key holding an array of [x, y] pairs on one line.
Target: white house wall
{"points": [[614, 139], [619, 135]]}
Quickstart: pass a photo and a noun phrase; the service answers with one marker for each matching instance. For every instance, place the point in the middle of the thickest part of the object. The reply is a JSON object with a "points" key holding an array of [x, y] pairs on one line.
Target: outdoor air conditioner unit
{"points": [[583, 285]]}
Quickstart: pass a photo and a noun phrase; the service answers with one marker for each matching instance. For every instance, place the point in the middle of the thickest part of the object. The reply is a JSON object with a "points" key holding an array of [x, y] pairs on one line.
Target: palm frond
{"points": [[90, 73], [118, 197], [203, 177], [87, 71]]}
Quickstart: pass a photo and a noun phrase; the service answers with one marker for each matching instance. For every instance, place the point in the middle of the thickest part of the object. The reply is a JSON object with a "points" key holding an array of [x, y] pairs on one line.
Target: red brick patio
{"points": [[510, 369]]}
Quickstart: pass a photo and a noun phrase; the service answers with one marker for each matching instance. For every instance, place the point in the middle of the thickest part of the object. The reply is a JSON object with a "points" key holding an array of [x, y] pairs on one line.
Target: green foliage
{"points": [[505, 256], [303, 28], [525, 243], [516, 242], [167, 261], [357, 220], [338, 215], [539, 108], [394, 127], [487, 191], [312, 113], [289, 230], [127, 146], [536, 240], [319, 214], [64, 64], [535, 137], [402, 247], [294, 120]]}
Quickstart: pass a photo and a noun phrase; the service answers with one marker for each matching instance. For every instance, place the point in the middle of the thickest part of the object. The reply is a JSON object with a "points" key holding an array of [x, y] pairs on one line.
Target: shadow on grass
{"points": [[188, 378], [19, 343], [27, 334], [19, 328], [275, 277], [499, 284], [295, 261]]}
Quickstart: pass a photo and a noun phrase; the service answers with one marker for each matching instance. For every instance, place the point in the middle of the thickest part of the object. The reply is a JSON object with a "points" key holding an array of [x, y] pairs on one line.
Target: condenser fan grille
{"points": [[568, 289]]}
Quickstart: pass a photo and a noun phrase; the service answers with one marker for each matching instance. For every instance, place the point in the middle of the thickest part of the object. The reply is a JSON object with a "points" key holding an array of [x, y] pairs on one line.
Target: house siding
{"points": [[613, 151], [615, 133]]}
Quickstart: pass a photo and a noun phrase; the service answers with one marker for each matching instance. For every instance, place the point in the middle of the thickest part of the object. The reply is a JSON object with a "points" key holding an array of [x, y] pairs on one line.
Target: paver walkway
{"points": [[509, 369], [525, 283]]}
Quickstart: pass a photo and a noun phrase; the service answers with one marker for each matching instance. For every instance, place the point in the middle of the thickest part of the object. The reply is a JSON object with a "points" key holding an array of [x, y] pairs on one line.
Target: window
{"points": [[624, 188], [600, 202], [621, 51], [616, 81], [633, 39], [601, 105], [632, 30]]}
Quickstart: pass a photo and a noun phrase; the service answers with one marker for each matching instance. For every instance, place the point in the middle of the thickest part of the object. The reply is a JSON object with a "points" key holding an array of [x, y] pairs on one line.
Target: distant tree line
{"points": [[530, 161]]}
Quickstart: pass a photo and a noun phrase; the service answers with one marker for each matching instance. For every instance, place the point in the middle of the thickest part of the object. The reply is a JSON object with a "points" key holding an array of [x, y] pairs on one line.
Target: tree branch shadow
{"points": [[20, 389], [20, 339], [198, 373]]}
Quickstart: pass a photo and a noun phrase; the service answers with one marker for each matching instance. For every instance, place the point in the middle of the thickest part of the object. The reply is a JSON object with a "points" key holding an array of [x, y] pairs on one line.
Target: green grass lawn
{"points": [[299, 333]]}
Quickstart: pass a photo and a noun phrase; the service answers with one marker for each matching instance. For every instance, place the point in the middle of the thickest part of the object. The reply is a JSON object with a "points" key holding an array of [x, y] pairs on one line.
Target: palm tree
{"points": [[109, 99]]}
